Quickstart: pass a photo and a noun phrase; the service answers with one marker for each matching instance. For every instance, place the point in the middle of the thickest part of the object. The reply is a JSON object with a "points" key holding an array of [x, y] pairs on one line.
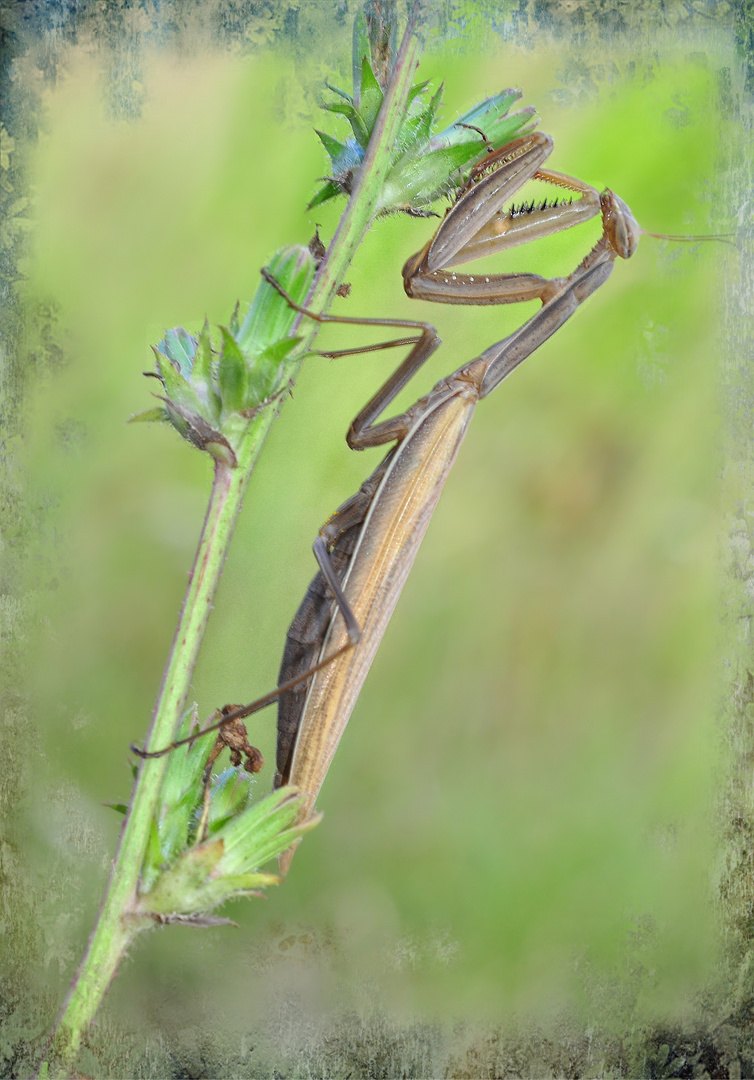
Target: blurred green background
{"points": [[519, 816]]}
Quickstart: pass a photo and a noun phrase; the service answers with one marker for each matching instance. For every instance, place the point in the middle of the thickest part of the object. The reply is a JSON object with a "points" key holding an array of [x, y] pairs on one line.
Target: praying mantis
{"points": [[367, 547], [372, 540]]}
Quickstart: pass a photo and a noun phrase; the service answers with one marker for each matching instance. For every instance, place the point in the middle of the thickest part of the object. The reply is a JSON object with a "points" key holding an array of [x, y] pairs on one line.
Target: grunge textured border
{"points": [[719, 1042]]}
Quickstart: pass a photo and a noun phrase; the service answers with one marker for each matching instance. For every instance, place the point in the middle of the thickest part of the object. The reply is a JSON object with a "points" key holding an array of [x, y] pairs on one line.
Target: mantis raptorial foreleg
{"points": [[477, 225]]}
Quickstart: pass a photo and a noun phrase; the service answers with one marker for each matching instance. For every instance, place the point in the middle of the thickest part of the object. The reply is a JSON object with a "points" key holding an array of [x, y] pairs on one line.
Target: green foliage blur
{"points": [[519, 816]]}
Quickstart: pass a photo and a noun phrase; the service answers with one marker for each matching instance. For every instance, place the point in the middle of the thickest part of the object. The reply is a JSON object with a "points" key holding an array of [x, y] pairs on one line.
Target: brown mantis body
{"points": [[471, 228], [306, 633], [371, 541], [392, 510]]}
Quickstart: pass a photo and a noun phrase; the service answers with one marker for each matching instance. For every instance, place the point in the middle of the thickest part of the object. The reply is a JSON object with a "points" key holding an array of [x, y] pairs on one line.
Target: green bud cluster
{"points": [[200, 855], [210, 393], [426, 165]]}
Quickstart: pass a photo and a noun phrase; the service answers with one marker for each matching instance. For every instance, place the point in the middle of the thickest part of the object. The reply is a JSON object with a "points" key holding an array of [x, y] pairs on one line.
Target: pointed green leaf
{"points": [[274, 354], [340, 93], [170, 377], [361, 49], [214, 891], [490, 116], [182, 789], [256, 828], [186, 763], [418, 181], [177, 389], [336, 151], [232, 376], [420, 118], [148, 416], [487, 111], [329, 191], [229, 795], [342, 108], [358, 126], [266, 377], [233, 324], [244, 883], [152, 859], [371, 96], [180, 887], [501, 131], [263, 831], [415, 133], [418, 89], [436, 99], [423, 118], [173, 826], [282, 840], [201, 376], [180, 348]]}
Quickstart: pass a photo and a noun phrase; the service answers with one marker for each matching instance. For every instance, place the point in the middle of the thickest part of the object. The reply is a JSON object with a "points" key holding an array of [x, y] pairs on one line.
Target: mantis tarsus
{"points": [[225, 719], [371, 541]]}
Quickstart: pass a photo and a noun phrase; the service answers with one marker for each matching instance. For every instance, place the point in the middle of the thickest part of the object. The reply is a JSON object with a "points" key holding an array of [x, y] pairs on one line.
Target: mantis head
{"points": [[623, 231], [620, 226]]}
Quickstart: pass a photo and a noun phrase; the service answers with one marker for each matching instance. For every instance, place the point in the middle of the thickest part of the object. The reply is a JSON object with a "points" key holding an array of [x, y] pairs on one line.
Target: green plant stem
{"points": [[116, 923], [362, 206]]}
